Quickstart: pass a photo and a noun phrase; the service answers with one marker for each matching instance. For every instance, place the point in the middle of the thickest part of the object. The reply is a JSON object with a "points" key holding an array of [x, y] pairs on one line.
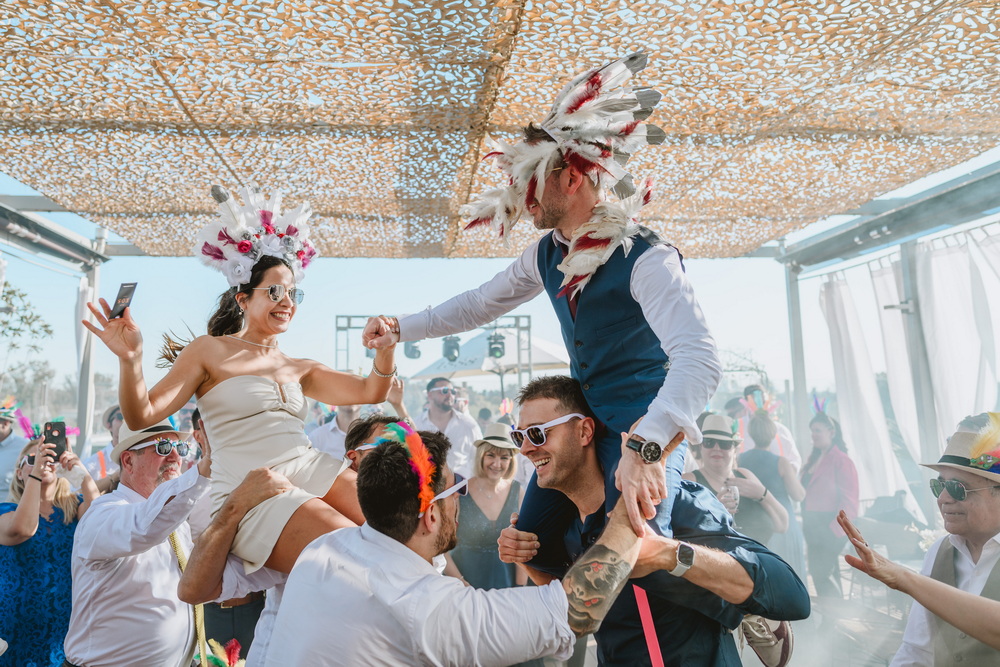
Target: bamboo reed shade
{"points": [[776, 113]]}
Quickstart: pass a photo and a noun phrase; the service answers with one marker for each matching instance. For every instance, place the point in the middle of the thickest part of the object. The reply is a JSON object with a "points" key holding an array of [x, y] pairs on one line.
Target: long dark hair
{"points": [[228, 316], [838, 440]]}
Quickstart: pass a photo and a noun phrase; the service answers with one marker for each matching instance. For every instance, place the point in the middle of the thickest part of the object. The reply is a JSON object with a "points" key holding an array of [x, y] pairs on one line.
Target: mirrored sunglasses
{"points": [[536, 435], [956, 489], [164, 446], [712, 443], [277, 293]]}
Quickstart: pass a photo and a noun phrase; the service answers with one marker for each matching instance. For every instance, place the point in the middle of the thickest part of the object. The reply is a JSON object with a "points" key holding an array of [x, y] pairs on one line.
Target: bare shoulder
{"points": [[746, 473]]}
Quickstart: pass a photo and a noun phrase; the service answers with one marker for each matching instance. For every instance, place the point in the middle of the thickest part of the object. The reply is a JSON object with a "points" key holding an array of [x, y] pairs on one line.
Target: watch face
{"points": [[651, 451], [685, 555]]}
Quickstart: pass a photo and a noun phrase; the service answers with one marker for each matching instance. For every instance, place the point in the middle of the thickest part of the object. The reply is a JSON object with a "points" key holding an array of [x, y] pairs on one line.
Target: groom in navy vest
{"points": [[636, 337]]}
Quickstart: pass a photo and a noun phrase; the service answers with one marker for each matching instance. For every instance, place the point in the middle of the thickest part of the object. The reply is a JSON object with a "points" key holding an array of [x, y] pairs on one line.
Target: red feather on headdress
{"points": [[423, 466]]}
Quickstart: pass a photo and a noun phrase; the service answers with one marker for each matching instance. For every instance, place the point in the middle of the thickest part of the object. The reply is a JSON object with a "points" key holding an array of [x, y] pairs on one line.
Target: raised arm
{"points": [[20, 525], [337, 388]]}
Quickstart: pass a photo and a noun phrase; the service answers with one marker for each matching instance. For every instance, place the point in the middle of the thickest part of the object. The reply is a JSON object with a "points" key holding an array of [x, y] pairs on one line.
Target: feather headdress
{"points": [[985, 452], [421, 461], [9, 408], [974, 447], [243, 234], [595, 125]]}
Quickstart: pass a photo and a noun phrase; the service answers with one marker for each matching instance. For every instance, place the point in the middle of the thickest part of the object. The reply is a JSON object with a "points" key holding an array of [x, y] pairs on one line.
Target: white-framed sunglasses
{"points": [[277, 293], [164, 446], [461, 487], [537, 435]]}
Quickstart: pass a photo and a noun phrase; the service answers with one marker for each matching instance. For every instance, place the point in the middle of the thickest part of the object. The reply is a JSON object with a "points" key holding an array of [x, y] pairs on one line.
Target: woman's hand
{"points": [[751, 489], [121, 335], [70, 460], [378, 334], [43, 456]]}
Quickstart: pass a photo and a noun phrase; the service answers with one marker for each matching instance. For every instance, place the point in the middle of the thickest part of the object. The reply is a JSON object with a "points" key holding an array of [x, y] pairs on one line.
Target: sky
{"points": [[744, 301]]}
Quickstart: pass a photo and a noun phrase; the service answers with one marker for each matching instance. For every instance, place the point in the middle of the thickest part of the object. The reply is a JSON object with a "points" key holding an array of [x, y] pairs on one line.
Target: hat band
{"points": [[497, 438], [724, 434], [985, 462]]}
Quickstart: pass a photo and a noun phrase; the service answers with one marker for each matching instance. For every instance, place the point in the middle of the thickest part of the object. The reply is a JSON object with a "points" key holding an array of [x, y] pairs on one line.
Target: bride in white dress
{"points": [[250, 394]]}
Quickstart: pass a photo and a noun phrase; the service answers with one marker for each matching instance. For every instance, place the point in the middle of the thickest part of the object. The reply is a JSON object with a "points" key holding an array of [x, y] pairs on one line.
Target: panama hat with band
{"points": [[975, 451], [497, 435], [720, 427], [128, 438]]}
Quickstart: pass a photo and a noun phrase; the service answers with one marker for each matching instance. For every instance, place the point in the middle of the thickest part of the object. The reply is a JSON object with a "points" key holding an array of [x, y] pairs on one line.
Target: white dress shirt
{"points": [[125, 575], [917, 649], [358, 597], [330, 439], [659, 286], [236, 583], [462, 432]]}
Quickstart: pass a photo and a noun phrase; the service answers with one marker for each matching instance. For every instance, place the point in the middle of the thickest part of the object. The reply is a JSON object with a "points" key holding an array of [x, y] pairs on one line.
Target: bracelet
{"points": [[763, 496], [33, 477], [384, 375]]}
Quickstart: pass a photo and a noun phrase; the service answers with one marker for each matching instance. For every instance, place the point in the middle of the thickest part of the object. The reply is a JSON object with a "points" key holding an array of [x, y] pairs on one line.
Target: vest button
{"points": [[586, 387], [584, 365], [962, 635], [579, 343]]}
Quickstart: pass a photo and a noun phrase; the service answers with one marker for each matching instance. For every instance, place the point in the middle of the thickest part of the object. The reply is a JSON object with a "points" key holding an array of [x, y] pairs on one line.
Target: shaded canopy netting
{"points": [[776, 113]]}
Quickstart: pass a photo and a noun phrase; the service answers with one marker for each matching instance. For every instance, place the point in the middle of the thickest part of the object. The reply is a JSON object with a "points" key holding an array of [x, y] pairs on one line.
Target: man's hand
{"points": [[259, 485], [516, 546], [654, 555], [873, 564], [205, 464], [378, 334], [642, 484]]}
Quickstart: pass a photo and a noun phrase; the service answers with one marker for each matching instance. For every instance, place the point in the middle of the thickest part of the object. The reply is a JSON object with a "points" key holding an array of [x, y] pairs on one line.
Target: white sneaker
{"points": [[772, 641]]}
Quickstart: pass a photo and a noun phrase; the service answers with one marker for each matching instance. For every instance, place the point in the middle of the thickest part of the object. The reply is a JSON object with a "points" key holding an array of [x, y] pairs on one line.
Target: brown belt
{"points": [[239, 602]]}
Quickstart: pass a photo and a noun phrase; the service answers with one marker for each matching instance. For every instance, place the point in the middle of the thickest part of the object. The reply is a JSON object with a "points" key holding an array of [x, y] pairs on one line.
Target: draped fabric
{"points": [[954, 312], [886, 283], [859, 404]]}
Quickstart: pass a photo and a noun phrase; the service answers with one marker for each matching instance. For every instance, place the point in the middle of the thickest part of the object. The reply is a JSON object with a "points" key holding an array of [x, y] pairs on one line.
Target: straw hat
{"points": [[106, 417], [497, 435], [720, 427], [128, 438], [977, 452]]}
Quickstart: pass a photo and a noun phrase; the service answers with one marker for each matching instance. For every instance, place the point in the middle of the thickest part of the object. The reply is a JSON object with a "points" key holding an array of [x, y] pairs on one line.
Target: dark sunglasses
{"points": [[164, 446], [712, 443], [29, 459], [277, 293], [446, 390], [956, 489], [536, 435]]}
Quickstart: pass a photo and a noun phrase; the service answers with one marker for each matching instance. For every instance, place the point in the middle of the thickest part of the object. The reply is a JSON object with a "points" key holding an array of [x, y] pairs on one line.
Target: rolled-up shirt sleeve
{"points": [[497, 627], [661, 288], [237, 584], [518, 283], [118, 529], [778, 593]]}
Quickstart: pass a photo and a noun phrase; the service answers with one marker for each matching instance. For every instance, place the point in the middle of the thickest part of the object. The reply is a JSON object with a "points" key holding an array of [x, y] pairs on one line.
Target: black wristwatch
{"points": [[685, 559], [649, 451]]}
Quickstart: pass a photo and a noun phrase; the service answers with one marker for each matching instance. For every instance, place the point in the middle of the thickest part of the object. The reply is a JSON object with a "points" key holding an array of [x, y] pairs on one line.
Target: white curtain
{"points": [[954, 312], [860, 406], [886, 280]]}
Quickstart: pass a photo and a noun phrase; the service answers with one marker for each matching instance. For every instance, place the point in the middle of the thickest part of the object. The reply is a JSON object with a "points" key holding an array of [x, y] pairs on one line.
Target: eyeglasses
{"points": [[446, 390], [164, 446], [712, 443], [461, 487], [27, 459], [536, 435], [277, 293], [955, 488]]}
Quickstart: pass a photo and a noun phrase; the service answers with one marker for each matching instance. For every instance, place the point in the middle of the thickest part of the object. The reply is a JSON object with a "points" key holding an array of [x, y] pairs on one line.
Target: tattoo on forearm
{"points": [[592, 585]]}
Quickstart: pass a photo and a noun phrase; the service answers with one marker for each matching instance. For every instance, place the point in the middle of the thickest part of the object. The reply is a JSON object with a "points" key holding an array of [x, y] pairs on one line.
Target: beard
{"points": [[447, 539], [552, 213]]}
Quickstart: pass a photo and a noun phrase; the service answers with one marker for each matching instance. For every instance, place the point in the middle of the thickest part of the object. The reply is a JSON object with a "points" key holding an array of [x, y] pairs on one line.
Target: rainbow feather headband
{"points": [[421, 461], [985, 452]]}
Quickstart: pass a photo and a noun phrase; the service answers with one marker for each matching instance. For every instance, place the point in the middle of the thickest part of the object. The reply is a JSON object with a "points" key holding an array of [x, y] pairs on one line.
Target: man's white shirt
{"points": [[462, 432], [917, 649], [659, 286], [358, 597], [125, 577], [330, 439]]}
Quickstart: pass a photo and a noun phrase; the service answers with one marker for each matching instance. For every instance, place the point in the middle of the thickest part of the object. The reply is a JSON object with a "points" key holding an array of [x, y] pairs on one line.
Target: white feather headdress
{"points": [[595, 125], [243, 234]]}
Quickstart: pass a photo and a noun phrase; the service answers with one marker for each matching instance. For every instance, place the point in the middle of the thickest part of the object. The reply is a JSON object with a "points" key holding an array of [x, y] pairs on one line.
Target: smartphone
{"points": [[55, 433], [123, 300]]}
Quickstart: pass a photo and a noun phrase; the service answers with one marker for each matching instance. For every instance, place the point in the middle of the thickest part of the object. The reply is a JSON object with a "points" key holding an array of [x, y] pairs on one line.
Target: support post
{"points": [[800, 393], [85, 394]]}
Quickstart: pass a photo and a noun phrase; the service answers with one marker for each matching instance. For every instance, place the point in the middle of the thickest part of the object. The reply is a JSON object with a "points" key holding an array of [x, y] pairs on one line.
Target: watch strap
{"points": [[680, 568]]}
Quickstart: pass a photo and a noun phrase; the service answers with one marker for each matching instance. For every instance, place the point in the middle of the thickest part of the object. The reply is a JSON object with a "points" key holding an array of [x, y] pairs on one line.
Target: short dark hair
{"points": [[751, 388], [388, 489], [485, 413], [362, 429], [434, 381], [563, 388], [195, 418], [733, 403]]}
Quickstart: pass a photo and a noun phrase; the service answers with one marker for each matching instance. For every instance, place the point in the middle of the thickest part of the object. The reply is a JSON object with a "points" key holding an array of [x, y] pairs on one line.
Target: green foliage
{"points": [[20, 325]]}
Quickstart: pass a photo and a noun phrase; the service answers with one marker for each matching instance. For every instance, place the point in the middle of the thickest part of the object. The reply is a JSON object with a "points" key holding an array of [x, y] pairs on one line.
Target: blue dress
{"points": [[35, 593], [476, 555]]}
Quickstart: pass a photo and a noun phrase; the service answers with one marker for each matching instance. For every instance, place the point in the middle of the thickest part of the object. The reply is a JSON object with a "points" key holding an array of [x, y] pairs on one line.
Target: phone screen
{"points": [[123, 300], [55, 433]]}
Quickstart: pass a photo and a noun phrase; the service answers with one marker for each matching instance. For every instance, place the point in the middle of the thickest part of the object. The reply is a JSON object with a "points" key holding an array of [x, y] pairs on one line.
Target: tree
{"points": [[22, 326]]}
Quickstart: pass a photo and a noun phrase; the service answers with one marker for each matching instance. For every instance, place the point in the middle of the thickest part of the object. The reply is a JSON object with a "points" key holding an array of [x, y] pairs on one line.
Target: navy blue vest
{"points": [[613, 353]]}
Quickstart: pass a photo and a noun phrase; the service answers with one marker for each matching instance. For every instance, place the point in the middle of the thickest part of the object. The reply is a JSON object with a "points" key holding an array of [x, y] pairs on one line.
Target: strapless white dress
{"points": [[252, 422]]}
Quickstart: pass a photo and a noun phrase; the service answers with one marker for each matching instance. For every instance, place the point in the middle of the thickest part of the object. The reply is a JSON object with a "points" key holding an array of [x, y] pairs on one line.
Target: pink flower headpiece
{"points": [[244, 234]]}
